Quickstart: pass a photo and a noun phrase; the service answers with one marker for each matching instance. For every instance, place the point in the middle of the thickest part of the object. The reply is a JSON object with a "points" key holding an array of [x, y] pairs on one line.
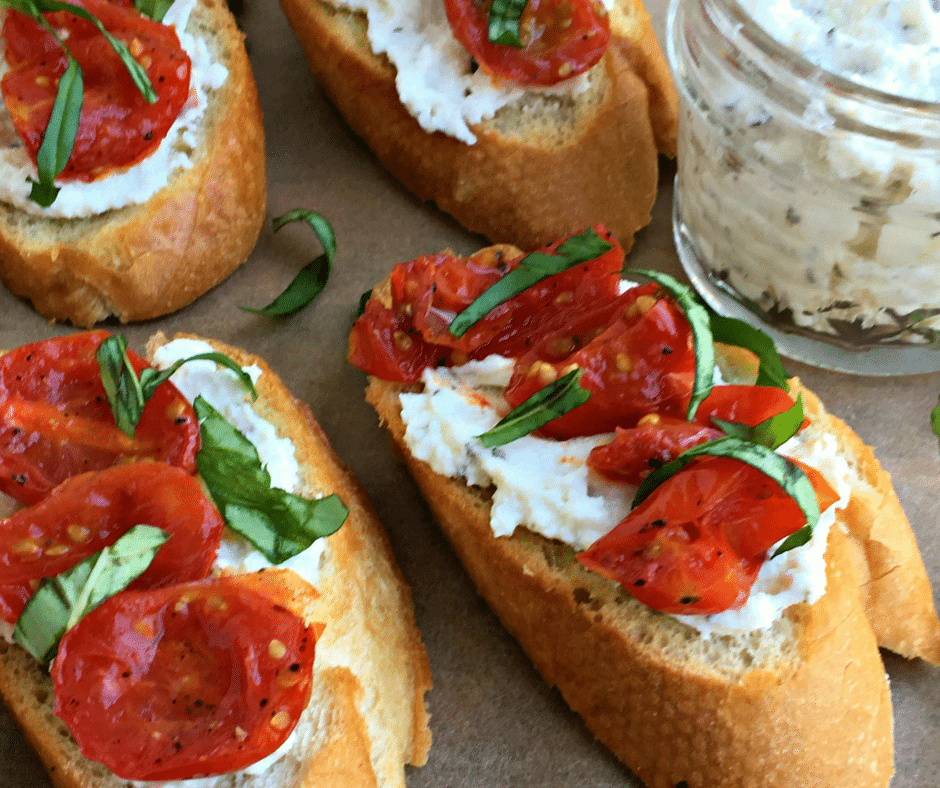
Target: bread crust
{"points": [[514, 184], [147, 260], [371, 671], [677, 713]]}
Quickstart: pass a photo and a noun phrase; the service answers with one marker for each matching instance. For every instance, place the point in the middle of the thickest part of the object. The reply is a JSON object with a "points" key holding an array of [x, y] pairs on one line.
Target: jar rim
{"points": [[796, 63]]}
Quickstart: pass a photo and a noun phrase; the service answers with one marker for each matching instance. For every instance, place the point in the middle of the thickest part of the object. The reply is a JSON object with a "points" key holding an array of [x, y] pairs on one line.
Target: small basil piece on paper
{"points": [[532, 269], [313, 277], [700, 324], [155, 9], [277, 523], [503, 23], [555, 400], [62, 601], [935, 420], [788, 475], [732, 331], [128, 394], [772, 432]]}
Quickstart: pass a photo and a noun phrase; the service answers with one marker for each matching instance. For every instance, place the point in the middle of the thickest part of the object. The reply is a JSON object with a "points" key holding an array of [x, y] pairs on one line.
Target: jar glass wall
{"points": [[805, 202]]}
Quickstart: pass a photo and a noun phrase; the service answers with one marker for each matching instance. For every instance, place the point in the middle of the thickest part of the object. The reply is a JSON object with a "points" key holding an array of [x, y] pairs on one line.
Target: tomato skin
{"points": [[196, 679], [561, 38], [117, 126], [55, 421], [697, 542], [92, 510], [642, 362], [743, 404]]}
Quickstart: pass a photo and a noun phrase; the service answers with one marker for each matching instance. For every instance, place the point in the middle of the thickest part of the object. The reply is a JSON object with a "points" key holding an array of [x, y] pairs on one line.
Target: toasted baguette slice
{"points": [[536, 172], [366, 717], [147, 260], [805, 702]]}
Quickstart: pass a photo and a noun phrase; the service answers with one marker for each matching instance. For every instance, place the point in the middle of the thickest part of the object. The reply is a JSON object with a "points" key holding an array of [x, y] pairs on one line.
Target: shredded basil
{"points": [[62, 601], [363, 300], [787, 474], [312, 279], [532, 269], [278, 523], [732, 331], [698, 319], [503, 25], [935, 420], [155, 9], [555, 400], [128, 394], [59, 136], [772, 432]]}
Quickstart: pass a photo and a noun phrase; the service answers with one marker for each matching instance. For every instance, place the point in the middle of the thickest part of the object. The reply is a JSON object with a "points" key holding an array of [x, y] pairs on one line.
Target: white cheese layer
{"points": [[436, 79], [546, 486], [134, 185]]}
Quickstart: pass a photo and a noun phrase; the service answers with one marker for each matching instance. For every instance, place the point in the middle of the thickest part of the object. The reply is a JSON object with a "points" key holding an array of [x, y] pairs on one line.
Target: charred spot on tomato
{"points": [[689, 600], [639, 582], [667, 351]]}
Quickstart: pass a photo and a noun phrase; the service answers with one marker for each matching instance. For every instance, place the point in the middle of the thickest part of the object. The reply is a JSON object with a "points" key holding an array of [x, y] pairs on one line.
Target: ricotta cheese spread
{"points": [[546, 486], [134, 185], [815, 205], [436, 79]]}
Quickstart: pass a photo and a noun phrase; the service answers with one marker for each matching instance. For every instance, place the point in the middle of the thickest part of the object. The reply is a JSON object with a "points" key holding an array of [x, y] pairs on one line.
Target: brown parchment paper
{"points": [[494, 721]]}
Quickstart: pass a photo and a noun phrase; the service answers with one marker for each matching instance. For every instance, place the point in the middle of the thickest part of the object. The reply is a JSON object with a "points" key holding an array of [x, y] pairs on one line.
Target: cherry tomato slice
{"points": [[55, 421], [90, 511], [117, 126], [642, 362], [696, 543], [560, 38], [195, 679], [748, 405]]}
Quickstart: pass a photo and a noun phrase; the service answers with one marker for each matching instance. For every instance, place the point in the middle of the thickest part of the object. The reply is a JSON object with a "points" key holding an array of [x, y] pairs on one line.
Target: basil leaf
{"points": [[278, 523], [155, 9], [503, 26], [61, 602], [59, 136], [363, 300], [138, 72], [555, 400], [772, 432], [787, 474], [127, 393], [732, 331], [312, 279], [532, 269], [935, 420], [699, 322]]}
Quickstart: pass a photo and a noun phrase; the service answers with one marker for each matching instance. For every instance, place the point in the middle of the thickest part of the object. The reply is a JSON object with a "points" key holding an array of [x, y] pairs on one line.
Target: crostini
{"points": [[518, 156], [161, 194], [705, 567], [306, 609]]}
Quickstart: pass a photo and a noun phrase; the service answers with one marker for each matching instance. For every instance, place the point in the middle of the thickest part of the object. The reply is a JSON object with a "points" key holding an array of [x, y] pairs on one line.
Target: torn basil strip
{"points": [[127, 393], [699, 322], [278, 523], [532, 269], [503, 22], [555, 400], [731, 331], [788, 475], [62, 601], [772, 432]]}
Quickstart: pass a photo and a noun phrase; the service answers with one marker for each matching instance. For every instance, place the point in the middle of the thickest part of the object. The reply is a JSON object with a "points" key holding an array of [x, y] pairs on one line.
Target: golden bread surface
{"points": [[147, 260], [367, 716], [539, 170]]}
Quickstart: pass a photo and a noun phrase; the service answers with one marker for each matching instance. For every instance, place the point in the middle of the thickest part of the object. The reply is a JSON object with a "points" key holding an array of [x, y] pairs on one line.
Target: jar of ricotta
{"points": [[807, 193]]}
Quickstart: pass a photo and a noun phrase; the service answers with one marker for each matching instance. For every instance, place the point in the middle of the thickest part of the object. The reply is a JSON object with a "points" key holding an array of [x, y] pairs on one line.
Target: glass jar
{"points": [[805, 202]]}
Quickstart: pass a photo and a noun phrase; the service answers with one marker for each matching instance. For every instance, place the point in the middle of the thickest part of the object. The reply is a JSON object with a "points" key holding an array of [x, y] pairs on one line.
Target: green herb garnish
{"points": [[732, 331], [698, 319], [532, 269], [128, 394], [61, 602], [772, 432], [935, 420], [59, 136], [155, 9], [278, 523], [555, 400], [311, 280], [503, 25], [788, 475]]}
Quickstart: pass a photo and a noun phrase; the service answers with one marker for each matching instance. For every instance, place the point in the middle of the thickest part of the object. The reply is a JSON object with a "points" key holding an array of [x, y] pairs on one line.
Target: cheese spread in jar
{"points": [[808, 185], [138, 183]]}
